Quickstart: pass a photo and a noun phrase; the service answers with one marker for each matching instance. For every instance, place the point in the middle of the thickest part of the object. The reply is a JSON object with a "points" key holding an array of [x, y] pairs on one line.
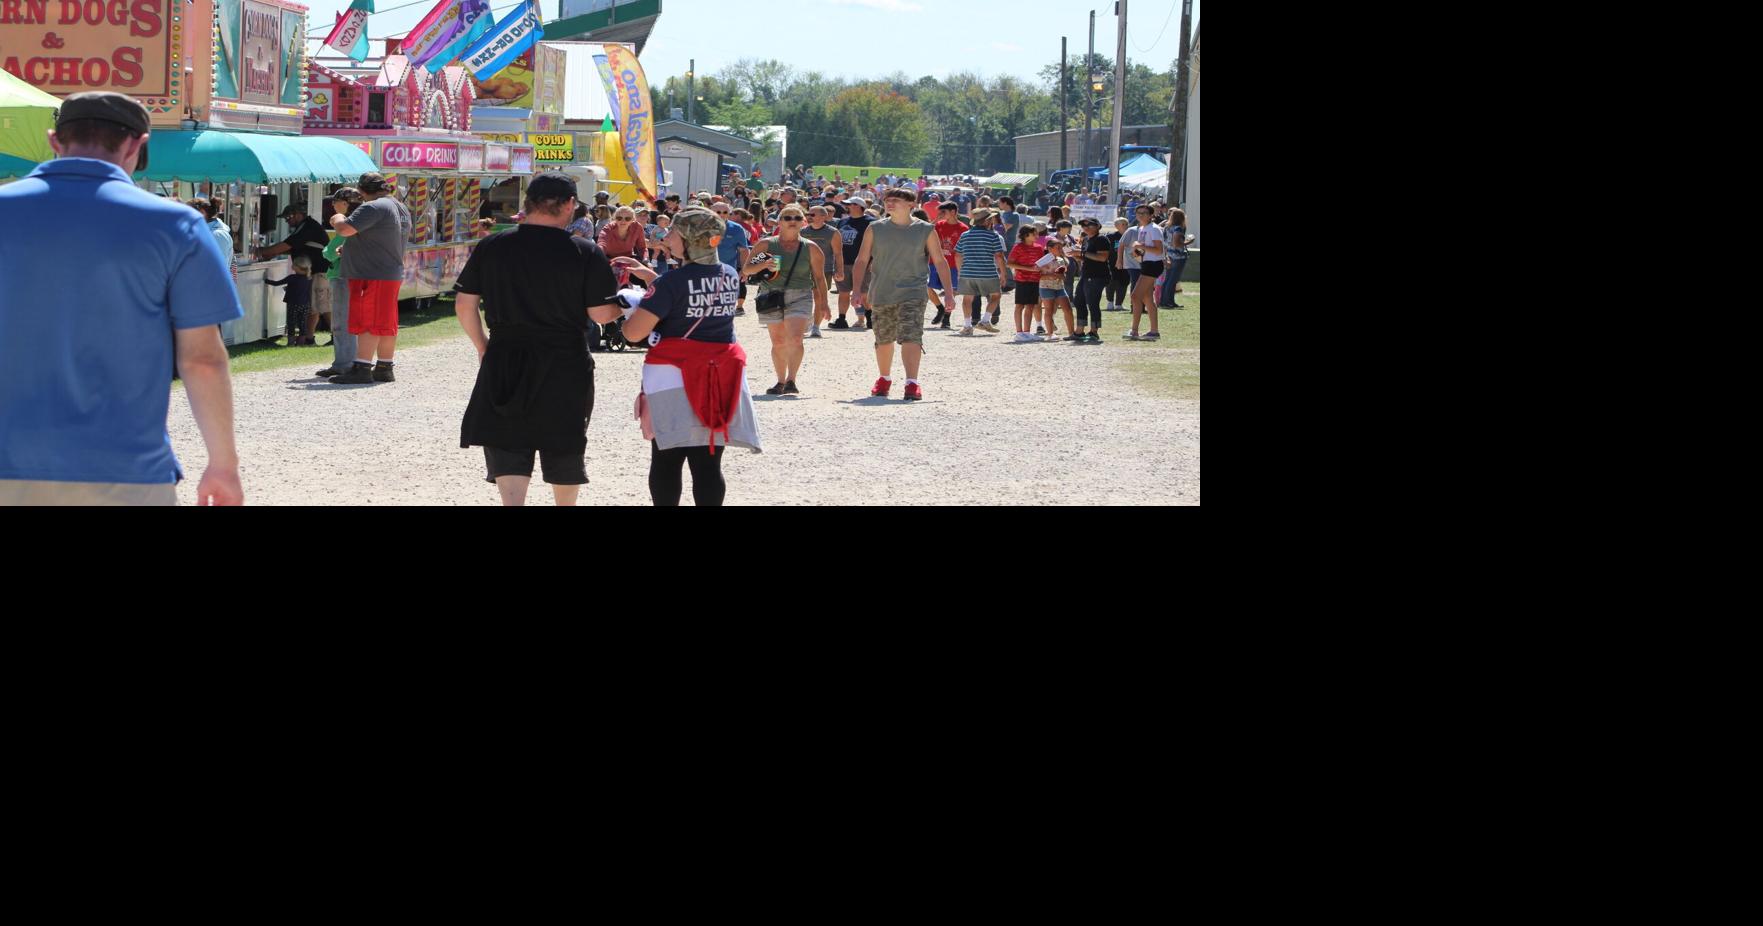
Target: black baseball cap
{"points": [[551, 186], [119, 108]]}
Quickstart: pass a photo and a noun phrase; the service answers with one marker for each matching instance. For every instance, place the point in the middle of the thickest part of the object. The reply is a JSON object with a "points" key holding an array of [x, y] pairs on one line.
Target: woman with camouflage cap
{"points": [[694, 396]]}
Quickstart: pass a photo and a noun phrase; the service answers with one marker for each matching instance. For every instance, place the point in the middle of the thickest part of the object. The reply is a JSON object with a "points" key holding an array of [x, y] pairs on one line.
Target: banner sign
{"points": [[350, 35], [638, 131], [474, 21], [505, 41], [436, 31]]}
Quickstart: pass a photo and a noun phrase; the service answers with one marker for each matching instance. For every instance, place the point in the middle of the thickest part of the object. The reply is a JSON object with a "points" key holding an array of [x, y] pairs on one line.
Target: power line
{"points": [[794, 132], [324, 31], [1160, 32]]}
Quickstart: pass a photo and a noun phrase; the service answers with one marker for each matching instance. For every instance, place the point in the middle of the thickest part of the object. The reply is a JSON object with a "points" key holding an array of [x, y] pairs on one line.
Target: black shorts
{"points": [[1028, 294], [561, 469], [1151, 269]]}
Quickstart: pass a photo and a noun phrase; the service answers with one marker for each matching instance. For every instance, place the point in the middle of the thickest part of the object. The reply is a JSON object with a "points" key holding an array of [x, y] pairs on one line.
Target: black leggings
{"points": [[1089, 300], [1117, 286], [665, 475]]}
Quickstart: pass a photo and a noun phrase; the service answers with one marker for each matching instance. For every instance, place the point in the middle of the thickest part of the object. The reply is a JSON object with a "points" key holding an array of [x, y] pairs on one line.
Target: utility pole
{"points": [[1178, 125], [691, 95], [1119, 107], [1089, 98], [1064, 118]]}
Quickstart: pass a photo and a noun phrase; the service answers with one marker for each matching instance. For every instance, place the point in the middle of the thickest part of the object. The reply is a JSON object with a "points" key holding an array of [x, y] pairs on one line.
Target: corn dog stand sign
{"points": [[223, 82], [135, 47]]}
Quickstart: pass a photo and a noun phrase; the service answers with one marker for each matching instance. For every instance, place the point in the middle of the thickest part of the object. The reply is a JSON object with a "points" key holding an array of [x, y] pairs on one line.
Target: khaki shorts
{"points": [[30, 494], [982, 286], [844, 285], [900, 323], [798, 303]]}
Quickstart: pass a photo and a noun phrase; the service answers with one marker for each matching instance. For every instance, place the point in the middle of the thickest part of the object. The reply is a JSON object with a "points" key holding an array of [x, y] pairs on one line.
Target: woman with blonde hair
{"points": [[624, 237], [792, 293]]}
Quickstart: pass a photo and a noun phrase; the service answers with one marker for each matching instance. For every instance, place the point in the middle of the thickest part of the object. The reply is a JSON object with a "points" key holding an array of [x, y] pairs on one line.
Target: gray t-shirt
{"points": [[897, 257], [823, 237], [376, 251]]}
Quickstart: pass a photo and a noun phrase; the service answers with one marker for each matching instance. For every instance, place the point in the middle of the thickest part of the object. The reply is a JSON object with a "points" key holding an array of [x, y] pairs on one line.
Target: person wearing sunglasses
{"points": [[792, 297]]}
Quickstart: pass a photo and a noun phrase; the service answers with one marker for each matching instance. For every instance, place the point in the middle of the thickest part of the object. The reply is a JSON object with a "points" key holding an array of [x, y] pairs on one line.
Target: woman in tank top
{"points": [[798, 275]]}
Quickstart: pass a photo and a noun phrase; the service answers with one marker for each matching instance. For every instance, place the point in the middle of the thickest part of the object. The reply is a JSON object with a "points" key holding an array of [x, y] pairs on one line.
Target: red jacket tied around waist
{"points": [[712, 373]]}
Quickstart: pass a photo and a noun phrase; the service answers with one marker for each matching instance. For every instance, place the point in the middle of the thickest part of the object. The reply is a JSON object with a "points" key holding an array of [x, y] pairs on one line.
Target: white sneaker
{"points": [[1024, 337], [814, 332], [966, 332]]}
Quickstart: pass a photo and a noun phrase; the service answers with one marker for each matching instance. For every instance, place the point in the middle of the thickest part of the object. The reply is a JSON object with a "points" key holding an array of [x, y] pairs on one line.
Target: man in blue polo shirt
{"points": [[101, 278], [734, 249]]}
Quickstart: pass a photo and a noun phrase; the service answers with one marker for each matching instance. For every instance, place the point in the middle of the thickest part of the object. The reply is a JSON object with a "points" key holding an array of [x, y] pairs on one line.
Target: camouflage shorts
{"points": [[901, 323]]}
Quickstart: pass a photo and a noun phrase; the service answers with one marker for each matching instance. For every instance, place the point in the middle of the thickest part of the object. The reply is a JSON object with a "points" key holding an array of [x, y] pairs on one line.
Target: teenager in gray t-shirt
{"points": [[376, 251]]}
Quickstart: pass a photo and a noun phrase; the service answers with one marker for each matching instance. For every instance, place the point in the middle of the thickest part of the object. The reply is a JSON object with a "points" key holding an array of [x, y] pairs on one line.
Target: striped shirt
{"points": [[976, 248]]}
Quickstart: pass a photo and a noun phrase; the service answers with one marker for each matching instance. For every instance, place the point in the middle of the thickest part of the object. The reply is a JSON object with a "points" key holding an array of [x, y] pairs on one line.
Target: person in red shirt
{"points": [[950, 228], [1028, 280]]}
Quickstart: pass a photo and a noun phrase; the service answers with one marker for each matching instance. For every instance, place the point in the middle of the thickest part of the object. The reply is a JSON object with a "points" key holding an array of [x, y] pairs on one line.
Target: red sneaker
{"points": [[913, 393], [882, 386]]}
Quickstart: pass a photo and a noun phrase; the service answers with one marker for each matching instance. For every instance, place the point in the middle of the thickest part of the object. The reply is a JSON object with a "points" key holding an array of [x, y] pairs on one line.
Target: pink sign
{"points": [[523, 160], [498, 157], [471, 158], [365, 146], [395, 155]]}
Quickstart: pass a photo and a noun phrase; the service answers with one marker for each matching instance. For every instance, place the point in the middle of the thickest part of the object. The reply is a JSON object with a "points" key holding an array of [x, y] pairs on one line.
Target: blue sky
{"points": [[987, 37]]}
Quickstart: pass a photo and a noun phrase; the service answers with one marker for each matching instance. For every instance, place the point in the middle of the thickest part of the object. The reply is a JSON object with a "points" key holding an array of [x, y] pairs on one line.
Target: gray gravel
{"points": [[1002, 424]]}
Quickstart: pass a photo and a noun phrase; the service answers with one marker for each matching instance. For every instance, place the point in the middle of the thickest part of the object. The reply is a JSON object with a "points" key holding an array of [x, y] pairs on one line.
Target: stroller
{"points": [[612, 337]]}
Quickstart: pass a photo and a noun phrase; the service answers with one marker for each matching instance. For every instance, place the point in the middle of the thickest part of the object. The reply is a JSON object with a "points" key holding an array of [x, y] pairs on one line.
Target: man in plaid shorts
{"points": [[895, 252]]}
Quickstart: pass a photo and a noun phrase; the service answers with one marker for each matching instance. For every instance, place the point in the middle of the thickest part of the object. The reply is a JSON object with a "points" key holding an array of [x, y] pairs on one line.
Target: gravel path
{"points": [[1002, 424]]}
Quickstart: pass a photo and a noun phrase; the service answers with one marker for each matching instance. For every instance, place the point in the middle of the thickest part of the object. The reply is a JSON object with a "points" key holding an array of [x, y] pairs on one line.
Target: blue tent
{"points": [[1141, 162]]}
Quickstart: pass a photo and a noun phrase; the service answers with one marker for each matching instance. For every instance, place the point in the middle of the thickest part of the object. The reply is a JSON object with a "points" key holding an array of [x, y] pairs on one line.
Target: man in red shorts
{"points": [[373, 265]]}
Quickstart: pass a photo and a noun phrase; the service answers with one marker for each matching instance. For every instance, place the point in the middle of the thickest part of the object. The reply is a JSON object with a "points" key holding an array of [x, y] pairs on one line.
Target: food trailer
{"points": [[415, 126], [222, 81]]}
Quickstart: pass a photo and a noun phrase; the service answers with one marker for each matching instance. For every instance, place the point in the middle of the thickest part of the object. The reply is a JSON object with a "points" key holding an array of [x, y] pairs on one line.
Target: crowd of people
{"points": [[672, 275]]}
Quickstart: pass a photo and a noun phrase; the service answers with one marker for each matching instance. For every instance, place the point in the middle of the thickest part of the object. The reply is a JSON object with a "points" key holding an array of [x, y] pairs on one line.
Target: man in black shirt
{"points": [[538, 286], [852, 230], [306, 242]]}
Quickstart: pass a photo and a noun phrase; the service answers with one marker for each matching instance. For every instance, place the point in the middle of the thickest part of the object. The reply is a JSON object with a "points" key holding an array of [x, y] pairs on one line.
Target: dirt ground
{"points": [[1001, 424]]}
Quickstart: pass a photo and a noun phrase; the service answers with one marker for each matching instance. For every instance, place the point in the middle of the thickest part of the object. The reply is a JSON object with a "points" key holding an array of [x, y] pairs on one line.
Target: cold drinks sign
{"points": [[72, 46], [396, 155]]}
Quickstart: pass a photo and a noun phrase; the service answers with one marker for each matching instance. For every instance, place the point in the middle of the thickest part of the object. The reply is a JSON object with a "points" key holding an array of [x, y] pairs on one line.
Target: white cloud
{"points": [[1006, 46], [889, 6]]}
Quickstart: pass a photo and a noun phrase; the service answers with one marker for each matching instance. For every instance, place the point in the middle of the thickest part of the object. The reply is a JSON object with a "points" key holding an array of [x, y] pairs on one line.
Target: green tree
{"points": [[749, 121], [886, 129]]}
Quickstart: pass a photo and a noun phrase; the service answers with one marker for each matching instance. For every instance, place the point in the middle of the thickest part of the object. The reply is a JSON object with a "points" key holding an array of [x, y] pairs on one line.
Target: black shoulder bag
{"points": [[775, 300]]}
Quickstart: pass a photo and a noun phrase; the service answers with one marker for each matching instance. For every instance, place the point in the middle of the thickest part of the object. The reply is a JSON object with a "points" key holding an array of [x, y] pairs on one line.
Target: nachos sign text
{"points": [[74, 46]]}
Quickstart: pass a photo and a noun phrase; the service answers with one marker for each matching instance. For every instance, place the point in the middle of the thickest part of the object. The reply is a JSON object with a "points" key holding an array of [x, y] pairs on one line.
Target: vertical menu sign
{"points": [[260, 55]]}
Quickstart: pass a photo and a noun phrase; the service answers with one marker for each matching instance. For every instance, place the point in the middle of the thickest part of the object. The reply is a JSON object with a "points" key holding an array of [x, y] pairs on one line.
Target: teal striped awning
{"points": [[223, 157]]}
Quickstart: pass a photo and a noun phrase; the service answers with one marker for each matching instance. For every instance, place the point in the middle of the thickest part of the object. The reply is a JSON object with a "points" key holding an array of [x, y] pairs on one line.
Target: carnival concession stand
{"points": [[415, 127], [223, 82]]}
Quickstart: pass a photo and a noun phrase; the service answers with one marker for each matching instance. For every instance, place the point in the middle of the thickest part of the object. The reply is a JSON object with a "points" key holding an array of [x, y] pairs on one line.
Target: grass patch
{"points": [[1170, 366], [415, 329]]}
